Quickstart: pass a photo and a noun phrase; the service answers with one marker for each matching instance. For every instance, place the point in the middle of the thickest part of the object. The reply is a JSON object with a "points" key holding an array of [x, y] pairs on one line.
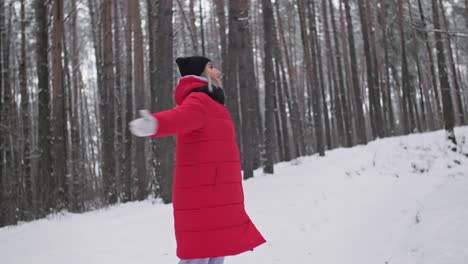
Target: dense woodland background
{"points": [[301, 77]]}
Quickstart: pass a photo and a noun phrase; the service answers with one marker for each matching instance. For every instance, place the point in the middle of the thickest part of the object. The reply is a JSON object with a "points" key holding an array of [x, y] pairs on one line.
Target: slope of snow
{"points": [[396, 200]]}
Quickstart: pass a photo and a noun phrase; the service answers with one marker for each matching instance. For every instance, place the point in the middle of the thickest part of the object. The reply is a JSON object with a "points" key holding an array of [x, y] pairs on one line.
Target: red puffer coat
{"points": [[208, 199]]}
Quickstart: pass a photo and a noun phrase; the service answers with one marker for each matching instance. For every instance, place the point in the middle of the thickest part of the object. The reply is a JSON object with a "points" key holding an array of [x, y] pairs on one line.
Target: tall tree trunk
{"points": [[408, 117], [330, 73], [278, 126], [369, 67], [360, 121], [42, 67], [29, 207], [6, 214], [463, 82], [296, 120], [453, 68], [431, 61], [423, 116], [341, 93], [282, 99], [96, 32], [59, 133], [130, 141], [231, 76], [270, 84], [387, 93], [318, 65], [152, 13], [96, 36], [443, 76], [140, 161], [376, 74], [67, 95], [241, 43], [202, 28], [257, 123], [334, 78], [77, 168], [420, 77], [466, 12], [161, 77], [107, 105], [283, 95], [13, 179], [312, 78], [121, 125], [220, 13], [189, 23], [346, 92], [2, 140], [193, 27]]}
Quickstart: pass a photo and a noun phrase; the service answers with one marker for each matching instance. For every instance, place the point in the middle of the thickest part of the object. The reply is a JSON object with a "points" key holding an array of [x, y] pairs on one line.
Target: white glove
{"points": [[145, 126]]}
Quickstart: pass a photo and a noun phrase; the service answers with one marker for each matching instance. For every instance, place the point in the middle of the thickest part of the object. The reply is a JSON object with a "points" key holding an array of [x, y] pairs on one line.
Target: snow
{"points": [[396, 200]]}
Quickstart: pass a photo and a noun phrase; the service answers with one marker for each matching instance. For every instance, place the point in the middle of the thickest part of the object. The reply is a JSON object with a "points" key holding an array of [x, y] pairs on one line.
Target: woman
{"points": [[209, 216]]}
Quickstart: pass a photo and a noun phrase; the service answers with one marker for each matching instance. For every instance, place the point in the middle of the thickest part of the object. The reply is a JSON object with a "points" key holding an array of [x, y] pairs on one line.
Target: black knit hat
{"points": [[194, 65]]}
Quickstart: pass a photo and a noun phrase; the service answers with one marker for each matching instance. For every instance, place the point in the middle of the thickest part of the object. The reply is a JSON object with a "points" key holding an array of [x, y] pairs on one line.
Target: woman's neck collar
{"points": [[194, 76]]}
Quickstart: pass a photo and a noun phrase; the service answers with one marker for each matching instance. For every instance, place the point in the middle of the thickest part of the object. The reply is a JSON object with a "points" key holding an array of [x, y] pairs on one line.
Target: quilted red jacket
{"points": [[208, 199]]}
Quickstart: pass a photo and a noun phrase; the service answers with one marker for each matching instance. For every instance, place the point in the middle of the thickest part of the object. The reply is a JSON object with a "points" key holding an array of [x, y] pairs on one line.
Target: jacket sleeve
{"points": [[189, 116]]}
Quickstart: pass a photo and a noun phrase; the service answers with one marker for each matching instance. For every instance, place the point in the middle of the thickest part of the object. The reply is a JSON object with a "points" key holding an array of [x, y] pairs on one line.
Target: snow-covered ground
{"points": [[401, 200]]}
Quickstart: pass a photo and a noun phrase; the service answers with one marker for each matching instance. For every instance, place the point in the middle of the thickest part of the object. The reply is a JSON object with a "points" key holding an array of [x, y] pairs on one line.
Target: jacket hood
{"points": [[186, 85]]}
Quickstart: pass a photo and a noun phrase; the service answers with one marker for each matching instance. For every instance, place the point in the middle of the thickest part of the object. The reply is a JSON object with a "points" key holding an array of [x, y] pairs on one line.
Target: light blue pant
{"points": [[203, 261]]}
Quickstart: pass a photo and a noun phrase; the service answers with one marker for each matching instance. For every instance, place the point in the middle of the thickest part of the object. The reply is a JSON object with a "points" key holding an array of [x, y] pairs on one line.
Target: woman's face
{"points": [[212, 72]]}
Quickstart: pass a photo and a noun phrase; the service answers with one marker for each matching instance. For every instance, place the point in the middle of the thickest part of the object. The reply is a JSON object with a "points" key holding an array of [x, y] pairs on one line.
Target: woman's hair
{"points": [[210, 84], [211, 81]]}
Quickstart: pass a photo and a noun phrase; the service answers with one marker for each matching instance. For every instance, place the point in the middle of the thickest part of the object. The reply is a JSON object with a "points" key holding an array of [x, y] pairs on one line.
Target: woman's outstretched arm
{"points": [[189, 116]]}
